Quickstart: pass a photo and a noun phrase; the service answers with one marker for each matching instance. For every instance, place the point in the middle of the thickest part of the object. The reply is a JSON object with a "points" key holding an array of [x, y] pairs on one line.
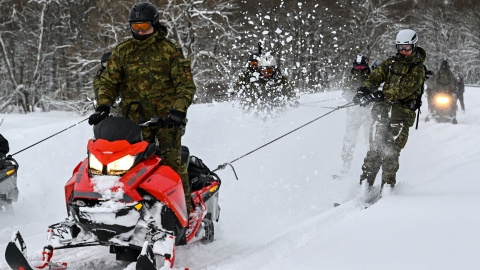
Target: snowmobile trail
{"points": [[294, 237]]}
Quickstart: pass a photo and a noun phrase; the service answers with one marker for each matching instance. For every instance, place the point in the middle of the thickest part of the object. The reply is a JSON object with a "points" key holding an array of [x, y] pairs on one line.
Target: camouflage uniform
{"points": [[153, 73], [395, 115], [264, 95], [356, 116]]}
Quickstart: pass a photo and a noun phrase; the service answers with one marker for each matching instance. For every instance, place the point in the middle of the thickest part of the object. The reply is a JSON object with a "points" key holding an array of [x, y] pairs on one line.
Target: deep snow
{"points": [[280, 214]]}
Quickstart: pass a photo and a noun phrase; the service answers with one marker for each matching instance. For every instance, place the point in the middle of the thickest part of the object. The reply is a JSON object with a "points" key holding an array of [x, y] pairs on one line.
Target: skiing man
{"points": [[356, 116], [154, 79], [268, 91], [393, 109], [250, 74], [460, 89]]}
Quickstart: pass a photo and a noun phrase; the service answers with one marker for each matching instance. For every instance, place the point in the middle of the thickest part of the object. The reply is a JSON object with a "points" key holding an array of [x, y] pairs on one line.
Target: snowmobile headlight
{"points": [[117, 167], [442, 100], [94, 165], [121, 165]]}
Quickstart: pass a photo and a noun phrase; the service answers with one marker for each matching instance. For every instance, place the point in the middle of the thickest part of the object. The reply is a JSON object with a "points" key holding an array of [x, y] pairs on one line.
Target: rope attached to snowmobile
{"points": [[49, 137], [221, 167]]}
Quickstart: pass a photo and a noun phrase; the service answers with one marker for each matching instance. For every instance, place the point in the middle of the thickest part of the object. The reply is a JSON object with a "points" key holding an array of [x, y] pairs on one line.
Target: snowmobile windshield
{"points": [[118, 128]]}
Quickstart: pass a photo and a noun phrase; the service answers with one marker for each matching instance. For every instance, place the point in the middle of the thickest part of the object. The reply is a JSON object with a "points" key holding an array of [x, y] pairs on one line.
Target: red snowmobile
{"points": [[123, 197]]}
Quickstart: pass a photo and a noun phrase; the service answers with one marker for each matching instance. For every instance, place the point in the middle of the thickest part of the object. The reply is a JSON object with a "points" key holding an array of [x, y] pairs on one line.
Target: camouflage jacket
{"points": [[152, 72], [265, 90], [353, 82], [444, 81], [403, 79], [244, 79]]}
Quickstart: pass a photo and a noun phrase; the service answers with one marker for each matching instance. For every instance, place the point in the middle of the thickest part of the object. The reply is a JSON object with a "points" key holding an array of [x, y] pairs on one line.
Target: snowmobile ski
{"points": [[16, 257], [144, 263]]}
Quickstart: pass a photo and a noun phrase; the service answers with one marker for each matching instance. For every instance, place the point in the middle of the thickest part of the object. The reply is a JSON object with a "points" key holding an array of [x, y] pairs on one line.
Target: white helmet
{"points": [[267, 60], [407, 36]]}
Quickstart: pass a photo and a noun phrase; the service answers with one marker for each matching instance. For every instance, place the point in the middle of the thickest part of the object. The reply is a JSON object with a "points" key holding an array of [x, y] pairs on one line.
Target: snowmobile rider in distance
{"points": [[154, 79], [394, 108], [4, 149], [444, 82]]}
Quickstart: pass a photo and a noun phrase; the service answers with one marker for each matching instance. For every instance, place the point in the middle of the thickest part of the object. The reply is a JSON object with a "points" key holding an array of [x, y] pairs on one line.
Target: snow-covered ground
{"points": [[280, 214]]}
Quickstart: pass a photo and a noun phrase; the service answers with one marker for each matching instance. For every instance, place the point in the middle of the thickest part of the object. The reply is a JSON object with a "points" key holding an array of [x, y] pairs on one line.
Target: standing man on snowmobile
{"points": [[393, 109], [154, 79], [356, 116]]}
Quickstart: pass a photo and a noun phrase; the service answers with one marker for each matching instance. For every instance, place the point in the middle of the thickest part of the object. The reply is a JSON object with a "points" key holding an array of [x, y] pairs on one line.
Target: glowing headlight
{"points": [[117, 167], [442, 100], [120, 166], [94, 165]]}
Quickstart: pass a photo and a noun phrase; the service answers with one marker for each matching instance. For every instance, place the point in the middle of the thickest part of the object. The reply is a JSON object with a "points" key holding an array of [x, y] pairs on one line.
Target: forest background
{"points": [[50, 49]]}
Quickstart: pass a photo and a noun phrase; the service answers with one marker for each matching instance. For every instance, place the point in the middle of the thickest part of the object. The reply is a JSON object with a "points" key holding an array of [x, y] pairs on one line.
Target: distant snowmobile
{"points": [[123, 197], [444, 108], [8, 185]]}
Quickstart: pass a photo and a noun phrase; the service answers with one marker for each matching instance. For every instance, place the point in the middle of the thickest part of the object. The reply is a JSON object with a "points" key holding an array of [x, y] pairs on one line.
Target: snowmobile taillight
{"points": [[117, 167]]}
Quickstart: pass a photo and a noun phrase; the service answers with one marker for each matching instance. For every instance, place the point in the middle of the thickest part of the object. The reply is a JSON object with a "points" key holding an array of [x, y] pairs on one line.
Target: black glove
{"points": [[378, 96], [101, 113], [361, 92], [177, 116]]}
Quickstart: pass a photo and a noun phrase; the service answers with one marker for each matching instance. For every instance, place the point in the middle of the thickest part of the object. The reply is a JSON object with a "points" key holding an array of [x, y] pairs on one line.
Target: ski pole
{"points": [[49, 137], [222, 166]]}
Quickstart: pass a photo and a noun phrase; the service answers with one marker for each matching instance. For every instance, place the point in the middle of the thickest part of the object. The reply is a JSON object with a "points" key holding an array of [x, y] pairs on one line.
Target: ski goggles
{"points": [[253, 64], [267, 71], [140, 26], [404, 47], [360, 67]]}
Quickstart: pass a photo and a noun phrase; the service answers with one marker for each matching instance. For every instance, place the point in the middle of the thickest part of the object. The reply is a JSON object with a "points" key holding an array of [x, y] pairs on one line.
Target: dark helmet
{"points": [[143, 12], [361, 60], [445, 63]]}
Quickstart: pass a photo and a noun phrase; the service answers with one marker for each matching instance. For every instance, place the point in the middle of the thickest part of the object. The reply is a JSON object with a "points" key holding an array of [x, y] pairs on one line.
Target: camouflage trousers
{"points": [[386, 142], [169, 142]]}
